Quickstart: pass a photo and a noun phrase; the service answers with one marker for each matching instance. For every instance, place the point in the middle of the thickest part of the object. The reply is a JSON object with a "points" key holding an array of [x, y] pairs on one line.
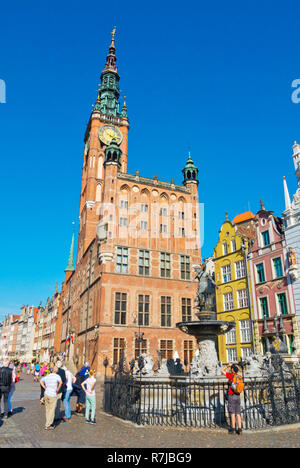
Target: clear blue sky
{"points": [[214, 77]]}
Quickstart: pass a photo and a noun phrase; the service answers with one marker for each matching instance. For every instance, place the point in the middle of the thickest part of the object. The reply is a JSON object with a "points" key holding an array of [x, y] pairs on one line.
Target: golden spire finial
{"points": [[113, 37]]}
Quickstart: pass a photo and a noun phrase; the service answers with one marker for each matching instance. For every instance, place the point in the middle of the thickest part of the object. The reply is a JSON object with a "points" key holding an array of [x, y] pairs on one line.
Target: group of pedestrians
{"points": [[59, 385]]}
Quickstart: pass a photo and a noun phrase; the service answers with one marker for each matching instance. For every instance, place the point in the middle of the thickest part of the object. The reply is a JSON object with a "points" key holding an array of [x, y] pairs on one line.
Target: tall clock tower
{"points": [[135, 262], [107, 125]]}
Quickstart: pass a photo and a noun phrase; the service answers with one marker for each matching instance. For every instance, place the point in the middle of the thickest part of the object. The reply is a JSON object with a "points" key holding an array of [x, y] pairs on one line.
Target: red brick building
{"points": [[138, 241]]}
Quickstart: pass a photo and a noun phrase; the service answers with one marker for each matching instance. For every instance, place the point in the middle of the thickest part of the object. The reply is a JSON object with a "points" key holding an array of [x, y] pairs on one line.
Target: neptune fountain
{"points": [[207, 328]]}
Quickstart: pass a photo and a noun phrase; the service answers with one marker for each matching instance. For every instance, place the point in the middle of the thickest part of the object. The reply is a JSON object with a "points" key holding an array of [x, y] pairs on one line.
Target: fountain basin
{"points": [[203, 329]]}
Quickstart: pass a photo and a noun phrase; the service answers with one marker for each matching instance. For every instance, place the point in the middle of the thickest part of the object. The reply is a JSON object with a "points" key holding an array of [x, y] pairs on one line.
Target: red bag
{"points": [[17, 380]]}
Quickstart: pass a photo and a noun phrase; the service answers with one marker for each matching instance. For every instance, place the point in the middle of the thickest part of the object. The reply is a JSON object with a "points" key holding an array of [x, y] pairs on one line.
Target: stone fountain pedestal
{"points": [[206, 330]]}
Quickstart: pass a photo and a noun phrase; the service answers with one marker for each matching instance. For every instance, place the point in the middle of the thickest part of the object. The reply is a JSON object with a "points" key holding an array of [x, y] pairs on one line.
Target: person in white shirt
{"points": [[89, 387], [51, 383], [69, 389]]}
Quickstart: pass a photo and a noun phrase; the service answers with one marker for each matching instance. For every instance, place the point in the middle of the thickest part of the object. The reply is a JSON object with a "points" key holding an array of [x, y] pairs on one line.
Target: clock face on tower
{"points": [[108, 132]]}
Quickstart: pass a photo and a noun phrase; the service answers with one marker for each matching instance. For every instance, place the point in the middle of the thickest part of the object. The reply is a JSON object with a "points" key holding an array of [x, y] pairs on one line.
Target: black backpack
{"points": [[5, 377]]}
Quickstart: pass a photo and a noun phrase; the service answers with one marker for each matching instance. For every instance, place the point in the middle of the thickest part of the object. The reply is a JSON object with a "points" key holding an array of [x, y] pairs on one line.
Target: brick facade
{"points": [[138, 241]]}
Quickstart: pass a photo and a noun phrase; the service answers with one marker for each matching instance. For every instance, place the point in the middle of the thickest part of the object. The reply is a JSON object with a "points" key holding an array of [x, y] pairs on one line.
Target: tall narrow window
{"points": [[265, 238], [226, 273], [186, 309], [264, 308], [185, 270], [277, 267], [231, 337], [188, 351], [120, 308], [140, 347], [122, 260], [243, 298], [245, 328], [124, 204], [166, 349], [228, 301], [240, 269], [260, 271], [143, 309], [282, 304], [144, 262], [225, 248], [165, 265], [166, 312], [118, 350]]}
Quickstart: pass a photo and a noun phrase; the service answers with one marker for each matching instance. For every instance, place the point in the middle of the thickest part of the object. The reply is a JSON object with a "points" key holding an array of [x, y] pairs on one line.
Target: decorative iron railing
{"points": [[266, 401]]}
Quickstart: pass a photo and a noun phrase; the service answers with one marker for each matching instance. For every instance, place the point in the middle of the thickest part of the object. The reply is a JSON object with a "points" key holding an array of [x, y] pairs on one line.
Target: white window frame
{"points": [[256, 272], [262, 238], [228, 302], [273, 267], [246, 351], [245, 331], [231, 337], [226, 274], [240, 269], [260, 307], [243, 298], [231, 354]]}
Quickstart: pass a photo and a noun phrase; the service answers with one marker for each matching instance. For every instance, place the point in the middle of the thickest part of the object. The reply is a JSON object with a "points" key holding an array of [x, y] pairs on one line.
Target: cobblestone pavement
{"points": [[26, 429]]}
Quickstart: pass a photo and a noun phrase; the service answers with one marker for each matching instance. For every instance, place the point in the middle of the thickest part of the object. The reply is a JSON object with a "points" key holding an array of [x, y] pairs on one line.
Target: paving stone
{"points": [[26, 429]]}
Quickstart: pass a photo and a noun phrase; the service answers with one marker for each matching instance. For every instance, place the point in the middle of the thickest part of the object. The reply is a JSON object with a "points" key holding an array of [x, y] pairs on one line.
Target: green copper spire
{"points": [[108, 97], [70, 266], [190, 171], [124, 109]]}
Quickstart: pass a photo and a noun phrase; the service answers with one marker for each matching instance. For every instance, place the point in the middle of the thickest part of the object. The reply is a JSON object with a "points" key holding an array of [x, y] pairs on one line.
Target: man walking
{"points": [[62, 391], [5, 383], [51, 384], [234, 400]]}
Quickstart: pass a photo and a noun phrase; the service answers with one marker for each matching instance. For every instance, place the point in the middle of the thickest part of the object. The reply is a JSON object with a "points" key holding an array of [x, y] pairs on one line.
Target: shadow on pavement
{"points": [[20, 409]]}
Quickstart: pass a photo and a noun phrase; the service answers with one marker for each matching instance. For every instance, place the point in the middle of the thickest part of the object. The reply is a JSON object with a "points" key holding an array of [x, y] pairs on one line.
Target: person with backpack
{"points": [[81, 376], [5, 384], [235, 388]]}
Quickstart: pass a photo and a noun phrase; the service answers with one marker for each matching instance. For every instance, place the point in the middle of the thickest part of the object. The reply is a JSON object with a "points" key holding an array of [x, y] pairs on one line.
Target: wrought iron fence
{"points": [[266, 401]]}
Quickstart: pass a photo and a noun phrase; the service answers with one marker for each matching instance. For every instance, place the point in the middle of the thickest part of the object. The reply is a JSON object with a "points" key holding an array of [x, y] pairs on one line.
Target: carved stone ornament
{"points": [[105, 257], [294, 273]]}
